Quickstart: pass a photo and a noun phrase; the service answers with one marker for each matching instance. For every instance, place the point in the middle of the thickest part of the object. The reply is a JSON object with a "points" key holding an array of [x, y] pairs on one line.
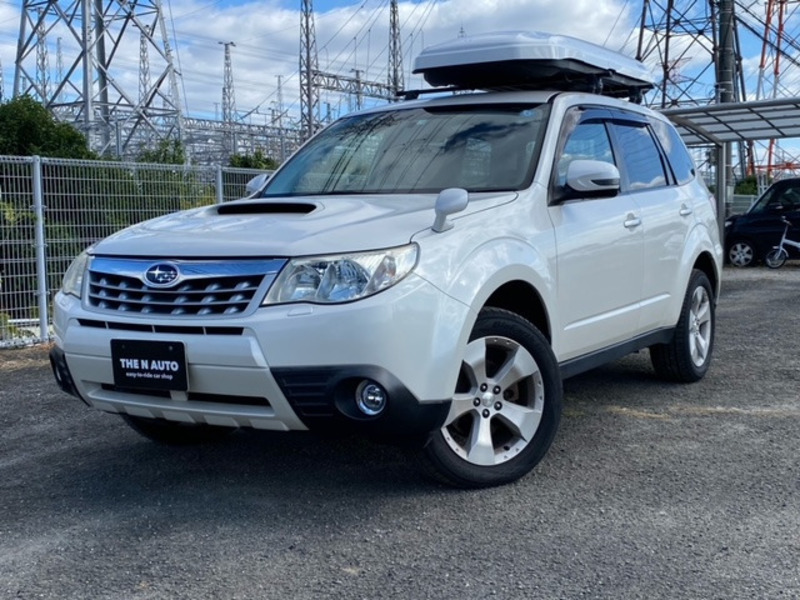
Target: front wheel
{"points": [[506, 407], [776, 258], [741, 254], [172, 433], [687, 356]]}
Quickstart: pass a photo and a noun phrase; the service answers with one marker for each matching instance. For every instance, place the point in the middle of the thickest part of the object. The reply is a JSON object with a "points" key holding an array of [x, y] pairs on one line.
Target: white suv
{"points": [[427, 270]]}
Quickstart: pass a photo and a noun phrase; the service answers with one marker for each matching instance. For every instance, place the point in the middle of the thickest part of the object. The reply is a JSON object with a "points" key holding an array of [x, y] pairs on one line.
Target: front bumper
{"points": [[290, 367]]}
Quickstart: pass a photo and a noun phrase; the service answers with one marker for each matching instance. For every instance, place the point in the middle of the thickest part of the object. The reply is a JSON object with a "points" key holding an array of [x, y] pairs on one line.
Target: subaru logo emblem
{"points": [[161, 275]]}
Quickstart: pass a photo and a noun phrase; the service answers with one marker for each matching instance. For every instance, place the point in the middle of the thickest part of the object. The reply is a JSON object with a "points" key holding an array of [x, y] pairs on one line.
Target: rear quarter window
{"points": [[679, 159]]}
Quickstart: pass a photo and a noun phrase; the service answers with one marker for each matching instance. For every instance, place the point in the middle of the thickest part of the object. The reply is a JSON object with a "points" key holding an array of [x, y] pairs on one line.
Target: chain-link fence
{"points": [[51, 209]]}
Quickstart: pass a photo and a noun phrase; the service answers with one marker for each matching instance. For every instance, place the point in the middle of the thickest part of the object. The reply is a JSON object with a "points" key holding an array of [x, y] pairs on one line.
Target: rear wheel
{"points": [[172, 433], [776, 258], [687, 356], [506, 407]]}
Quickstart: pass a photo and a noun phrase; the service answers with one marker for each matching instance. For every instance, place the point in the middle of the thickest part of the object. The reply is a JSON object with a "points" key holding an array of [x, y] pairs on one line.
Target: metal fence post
{"points": [[41, 248], [220, 195]]}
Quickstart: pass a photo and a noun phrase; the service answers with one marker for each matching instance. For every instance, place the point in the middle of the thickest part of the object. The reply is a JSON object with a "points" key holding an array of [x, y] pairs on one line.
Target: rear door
{"points": [[599, 246], [666, 210]]}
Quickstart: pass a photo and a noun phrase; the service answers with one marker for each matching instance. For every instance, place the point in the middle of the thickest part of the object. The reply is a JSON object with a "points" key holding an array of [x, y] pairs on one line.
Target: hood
{"points": [[287, 226]]}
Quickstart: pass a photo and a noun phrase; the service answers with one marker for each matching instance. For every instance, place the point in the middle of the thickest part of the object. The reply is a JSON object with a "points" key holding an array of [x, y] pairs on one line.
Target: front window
{"points": [[421, 150]]}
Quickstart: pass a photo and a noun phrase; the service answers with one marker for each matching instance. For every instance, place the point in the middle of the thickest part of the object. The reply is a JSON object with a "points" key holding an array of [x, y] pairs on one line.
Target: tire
{"points": [[741, 253], [172, 433], [687, 357], [506, 407], [776, 258]]}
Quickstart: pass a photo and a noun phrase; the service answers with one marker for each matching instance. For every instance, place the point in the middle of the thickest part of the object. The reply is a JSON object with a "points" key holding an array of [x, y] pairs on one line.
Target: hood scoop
{"points": [[265, 208]]}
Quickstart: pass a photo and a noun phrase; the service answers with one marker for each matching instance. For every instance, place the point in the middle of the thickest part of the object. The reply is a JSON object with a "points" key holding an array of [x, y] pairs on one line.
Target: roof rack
{"points": [[521, 60]]}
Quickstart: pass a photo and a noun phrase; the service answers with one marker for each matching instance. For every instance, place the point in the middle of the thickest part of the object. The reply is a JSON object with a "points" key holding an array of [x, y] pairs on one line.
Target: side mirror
{"points": [[255, 184], [449, 201], [593, 177]]}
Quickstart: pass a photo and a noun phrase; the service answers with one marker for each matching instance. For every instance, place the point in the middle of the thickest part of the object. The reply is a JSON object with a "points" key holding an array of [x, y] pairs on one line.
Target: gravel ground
{"points": [[650, 491]]}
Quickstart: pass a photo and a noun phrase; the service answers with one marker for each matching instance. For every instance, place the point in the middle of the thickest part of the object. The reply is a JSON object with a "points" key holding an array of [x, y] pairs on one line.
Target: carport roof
{"points": [[737, 121]]}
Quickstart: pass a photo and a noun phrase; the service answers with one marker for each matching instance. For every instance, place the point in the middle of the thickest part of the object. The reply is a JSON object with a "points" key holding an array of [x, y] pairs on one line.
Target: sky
{"points": [[350, 36]]}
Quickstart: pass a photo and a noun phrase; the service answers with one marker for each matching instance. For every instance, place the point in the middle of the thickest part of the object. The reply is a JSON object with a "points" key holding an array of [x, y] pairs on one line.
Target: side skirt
{"points": [[590, 361]]}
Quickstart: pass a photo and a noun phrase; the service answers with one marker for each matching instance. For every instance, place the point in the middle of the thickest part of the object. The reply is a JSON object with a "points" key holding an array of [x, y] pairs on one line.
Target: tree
{"points": [[27, 128], [747, 186], [257, 160], [168, 152]]}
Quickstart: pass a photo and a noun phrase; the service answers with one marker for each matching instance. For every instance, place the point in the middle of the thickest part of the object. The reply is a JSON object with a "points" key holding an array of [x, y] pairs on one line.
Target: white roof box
{"points": [[532, 60]]}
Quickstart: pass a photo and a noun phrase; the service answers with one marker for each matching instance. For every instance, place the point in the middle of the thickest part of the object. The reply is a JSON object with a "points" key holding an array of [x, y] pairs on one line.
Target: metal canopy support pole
{"points": [[722, 151], [726, 65]]}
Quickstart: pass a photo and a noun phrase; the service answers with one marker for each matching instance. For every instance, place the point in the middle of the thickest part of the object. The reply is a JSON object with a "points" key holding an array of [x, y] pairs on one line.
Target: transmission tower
{"points": [[395, 51], [312, 80], [309, 65], [673, 34], [91, 88], [228, 99], [42, 58], [144, 66], [777, 43], [228, 96], [695, 45]]}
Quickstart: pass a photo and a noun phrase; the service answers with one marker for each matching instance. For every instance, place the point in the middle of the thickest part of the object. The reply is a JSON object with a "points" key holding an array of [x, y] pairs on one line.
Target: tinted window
{"points": [[640, 156], [781, 196], [679, 158], [588, 141]]}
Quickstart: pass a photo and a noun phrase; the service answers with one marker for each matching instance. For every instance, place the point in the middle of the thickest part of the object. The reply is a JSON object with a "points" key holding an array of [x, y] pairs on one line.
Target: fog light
{"points": [[371, 398]]}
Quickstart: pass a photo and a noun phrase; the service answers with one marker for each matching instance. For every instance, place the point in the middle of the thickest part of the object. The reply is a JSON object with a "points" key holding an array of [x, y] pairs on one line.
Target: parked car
{"points": [[428, 270], [750, 236]]}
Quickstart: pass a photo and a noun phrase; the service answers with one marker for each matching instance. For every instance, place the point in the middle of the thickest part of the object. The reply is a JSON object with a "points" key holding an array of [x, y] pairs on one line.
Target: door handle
{"points": [[685, 210], [632, 221]]}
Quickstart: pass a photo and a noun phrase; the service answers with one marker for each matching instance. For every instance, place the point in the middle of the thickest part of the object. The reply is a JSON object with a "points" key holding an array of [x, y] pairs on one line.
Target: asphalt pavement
{"points": [[651, 490]]}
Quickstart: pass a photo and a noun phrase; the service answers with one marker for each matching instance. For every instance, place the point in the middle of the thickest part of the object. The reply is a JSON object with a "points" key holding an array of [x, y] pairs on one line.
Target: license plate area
{"points": [[149, 365]]}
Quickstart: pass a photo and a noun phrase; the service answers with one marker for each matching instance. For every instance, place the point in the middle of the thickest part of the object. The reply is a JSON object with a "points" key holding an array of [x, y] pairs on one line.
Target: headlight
{"points": [[73, 278], [341, 278]]}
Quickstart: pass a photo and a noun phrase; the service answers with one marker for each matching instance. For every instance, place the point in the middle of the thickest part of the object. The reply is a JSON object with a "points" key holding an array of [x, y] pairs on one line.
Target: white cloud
{"points": [[267, 40]]}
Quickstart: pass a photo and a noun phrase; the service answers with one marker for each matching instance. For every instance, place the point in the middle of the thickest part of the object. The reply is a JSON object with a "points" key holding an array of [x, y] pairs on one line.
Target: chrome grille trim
{"points": [[204, 288]]}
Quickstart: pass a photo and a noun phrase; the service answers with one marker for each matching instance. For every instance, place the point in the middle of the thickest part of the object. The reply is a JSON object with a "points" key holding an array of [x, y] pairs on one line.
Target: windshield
{"points": [[424, 150], [783, 195]]}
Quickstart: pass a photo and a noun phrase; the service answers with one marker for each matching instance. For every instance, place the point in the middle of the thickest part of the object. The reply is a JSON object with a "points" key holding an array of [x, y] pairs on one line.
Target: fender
{"points": [[483, 271]]}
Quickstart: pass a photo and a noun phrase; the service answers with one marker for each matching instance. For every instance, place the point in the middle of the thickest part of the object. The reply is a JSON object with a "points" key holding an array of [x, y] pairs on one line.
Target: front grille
{"points": [[148, 328], [202, 288]]}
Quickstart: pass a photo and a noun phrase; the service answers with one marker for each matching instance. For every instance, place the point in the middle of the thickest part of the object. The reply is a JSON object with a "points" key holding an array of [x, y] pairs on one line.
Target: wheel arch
{"points": [[506, 273], [705, 262], [521, 298]]}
